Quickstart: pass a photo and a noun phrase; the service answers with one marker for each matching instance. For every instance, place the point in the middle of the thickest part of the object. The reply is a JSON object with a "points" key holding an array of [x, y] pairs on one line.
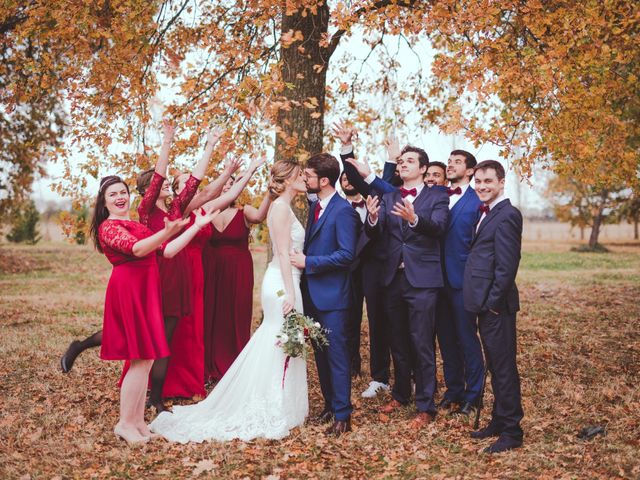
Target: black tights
{"points": [[159, 368], [77, 347]]}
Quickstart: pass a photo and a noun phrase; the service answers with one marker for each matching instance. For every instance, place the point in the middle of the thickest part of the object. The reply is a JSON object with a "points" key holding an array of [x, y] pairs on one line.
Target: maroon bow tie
{"points": [[484, 209], [404, 192], [360, 204], [454, 191]]}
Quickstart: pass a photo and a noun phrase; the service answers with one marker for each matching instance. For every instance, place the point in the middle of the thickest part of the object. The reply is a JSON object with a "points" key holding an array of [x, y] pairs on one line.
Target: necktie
{"points": [[404, 192], [454, 191], [361, 203], [316, 212], [484, 209]]}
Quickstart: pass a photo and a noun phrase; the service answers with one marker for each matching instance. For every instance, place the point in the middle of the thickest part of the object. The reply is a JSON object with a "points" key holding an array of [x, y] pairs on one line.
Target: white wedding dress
{"points": [[250, 401]]}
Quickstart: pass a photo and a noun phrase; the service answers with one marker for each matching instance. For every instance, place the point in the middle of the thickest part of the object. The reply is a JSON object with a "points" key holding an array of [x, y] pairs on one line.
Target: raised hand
{"points": [[168, 129], [344, 133], [256, 163], [232, 165], [393, 148], [173, 227], [363, 168], [203, 217], [214, 135], [405, 210], [373, 207]]}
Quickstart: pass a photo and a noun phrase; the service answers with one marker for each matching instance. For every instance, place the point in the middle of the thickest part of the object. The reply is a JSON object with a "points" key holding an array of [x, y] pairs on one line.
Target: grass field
{"points": [[579, 359]]}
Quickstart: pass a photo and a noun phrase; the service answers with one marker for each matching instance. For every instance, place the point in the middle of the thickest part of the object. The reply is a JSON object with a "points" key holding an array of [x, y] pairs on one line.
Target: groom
{"points": [[329, 250]]}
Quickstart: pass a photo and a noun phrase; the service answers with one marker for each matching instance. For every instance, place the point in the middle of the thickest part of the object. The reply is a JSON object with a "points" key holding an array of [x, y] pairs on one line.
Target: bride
{"points": [[251, 401]]}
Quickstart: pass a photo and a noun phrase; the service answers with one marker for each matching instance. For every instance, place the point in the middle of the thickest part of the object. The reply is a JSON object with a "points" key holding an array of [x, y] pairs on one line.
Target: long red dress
{"points": [[133, 327], [185, 374], [175, 273], [228, 298]]}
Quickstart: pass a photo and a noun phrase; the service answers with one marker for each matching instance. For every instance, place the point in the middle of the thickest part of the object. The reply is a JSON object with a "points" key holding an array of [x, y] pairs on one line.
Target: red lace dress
{"points": [[228, 296], [185, 374], [175, 273], [133, 327]]}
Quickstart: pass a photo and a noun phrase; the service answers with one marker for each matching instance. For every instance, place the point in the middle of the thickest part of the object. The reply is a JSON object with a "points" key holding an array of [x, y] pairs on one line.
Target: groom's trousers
{"points": [[333, 361]]}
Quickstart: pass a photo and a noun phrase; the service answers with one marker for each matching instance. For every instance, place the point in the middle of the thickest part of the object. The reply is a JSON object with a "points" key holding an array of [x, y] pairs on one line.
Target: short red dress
{"points": [[228, 296], [175, 273], [133, 327], [185, 374]]}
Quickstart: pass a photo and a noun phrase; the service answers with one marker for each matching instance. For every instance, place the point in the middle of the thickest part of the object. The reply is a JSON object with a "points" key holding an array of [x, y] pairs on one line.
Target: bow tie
{"points": [[404, 192], [484, 209], [454, 191], [360, 204]]}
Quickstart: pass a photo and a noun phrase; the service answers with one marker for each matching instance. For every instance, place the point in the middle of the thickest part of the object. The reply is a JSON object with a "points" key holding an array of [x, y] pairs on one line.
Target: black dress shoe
{"points": [[466, 409], [491, 430], [324, 417], [503, 444], [66, 361], [446, 403], [339, 427]]}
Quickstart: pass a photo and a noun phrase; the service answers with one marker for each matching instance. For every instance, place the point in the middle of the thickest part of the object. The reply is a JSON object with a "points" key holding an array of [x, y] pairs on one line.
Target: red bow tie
{"points": [[404, 192], [484, 209], [360, 204], [454, 191]]}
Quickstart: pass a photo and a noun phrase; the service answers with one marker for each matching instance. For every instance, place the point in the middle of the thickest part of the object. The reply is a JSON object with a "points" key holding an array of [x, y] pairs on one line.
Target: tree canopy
{"points": [[555, 81]]}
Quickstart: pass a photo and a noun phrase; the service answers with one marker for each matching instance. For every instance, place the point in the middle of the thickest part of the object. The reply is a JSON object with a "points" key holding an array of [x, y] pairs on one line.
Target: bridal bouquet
{"points": [[297, 333]]}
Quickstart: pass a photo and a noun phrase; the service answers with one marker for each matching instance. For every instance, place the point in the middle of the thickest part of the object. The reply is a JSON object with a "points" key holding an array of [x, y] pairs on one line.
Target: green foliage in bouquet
{"points": [[298, 332]]}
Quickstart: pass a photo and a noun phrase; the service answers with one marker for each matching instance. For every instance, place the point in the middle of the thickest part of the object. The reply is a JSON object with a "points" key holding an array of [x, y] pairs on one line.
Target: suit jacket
{"points": [[417, 247], [457, 240], [492, 265], [329, 247], [367, 248]]}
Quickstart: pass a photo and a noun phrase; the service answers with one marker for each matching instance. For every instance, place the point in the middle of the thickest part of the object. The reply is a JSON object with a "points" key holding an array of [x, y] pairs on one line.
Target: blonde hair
{"points": [[281, 171]]}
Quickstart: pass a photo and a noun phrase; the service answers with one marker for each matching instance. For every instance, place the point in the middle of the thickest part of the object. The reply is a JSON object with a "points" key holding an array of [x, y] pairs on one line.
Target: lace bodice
{"points": [[297, 232], [117, 238], [153, 217]]}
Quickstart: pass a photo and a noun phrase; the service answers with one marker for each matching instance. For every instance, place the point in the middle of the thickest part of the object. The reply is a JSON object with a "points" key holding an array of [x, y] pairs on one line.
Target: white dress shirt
{"points": [[453, 199]]}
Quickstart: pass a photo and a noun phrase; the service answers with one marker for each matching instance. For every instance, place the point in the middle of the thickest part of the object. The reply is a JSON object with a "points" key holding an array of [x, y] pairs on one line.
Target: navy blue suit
{"points": [[366, 274], [456, 327], [329, 247], [412, 275], [489, 284]]}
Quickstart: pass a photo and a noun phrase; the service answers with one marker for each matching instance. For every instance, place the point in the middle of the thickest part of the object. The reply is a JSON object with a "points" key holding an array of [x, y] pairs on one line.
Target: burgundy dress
{"points": [[175, 273], [228, 296], [133, 327], [185, 374]]}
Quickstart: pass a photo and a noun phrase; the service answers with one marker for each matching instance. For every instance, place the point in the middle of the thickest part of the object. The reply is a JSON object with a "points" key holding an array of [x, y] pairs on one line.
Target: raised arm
{"points": [[214, 189], [257, 215], [281, 216], [226, 199], [169, 131], [212, 138]]}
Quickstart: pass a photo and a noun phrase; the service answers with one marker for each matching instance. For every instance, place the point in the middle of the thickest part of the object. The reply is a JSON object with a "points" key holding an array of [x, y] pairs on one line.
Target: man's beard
{"points": [[311, 189], [350, 192]]}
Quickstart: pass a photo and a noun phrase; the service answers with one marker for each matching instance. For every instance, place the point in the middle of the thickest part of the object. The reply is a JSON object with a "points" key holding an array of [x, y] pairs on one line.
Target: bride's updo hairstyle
{"points": [[281, 171]]}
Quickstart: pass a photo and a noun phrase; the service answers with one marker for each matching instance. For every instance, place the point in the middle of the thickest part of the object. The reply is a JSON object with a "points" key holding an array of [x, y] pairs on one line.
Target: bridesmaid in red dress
{"points": [[133, 327], [228, 291]]}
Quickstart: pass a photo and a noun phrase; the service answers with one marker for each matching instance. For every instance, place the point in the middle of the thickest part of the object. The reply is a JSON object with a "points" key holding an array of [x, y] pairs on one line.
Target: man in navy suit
{"points": [[490, 292], [329, 251], [411, 221], [456, 328]]}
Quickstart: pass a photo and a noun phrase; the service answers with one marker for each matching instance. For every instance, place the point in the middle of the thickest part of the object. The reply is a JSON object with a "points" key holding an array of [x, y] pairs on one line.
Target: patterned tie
{"points": [[316, 212], [360, 204], [404, 192], [484, 209], [454, 191]]}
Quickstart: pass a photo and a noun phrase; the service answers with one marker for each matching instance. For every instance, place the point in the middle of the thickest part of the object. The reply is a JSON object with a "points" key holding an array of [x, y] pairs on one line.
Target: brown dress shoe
{"points": [[421, 420], [390, 407], [339, 427]]}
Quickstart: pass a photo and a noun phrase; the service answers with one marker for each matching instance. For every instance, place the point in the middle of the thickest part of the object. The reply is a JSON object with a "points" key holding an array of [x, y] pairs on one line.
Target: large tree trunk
{"points": [[635, 227]]}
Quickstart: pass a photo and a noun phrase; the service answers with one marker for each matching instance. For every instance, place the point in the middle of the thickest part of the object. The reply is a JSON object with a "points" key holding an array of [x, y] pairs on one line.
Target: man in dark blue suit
{"points": [[411, 220], [456, 328], [490, 292], [329, 251]]}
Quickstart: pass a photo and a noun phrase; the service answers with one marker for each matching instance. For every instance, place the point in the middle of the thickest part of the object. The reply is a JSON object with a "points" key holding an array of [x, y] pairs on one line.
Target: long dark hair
{"points": [[100, 212]]}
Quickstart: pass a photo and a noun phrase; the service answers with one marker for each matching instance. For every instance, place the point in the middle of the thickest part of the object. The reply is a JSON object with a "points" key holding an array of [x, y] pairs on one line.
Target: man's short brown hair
{"points": [[326, 166], [491, 164]]}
